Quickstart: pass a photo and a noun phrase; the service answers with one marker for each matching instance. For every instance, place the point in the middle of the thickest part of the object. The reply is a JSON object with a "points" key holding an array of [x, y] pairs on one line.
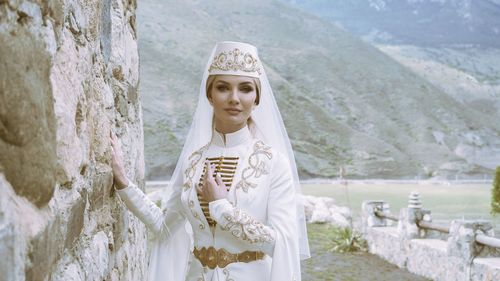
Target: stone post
{"points": [[369, 219], [461, 240], [408, 218], [461, 245]]}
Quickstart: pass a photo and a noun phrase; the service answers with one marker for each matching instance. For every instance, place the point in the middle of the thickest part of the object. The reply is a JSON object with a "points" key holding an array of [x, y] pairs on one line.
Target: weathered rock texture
{"points": [[68, 76], [324, 210]]}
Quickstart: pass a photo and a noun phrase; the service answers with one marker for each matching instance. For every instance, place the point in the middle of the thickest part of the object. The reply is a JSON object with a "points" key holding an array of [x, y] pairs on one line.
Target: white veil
{"points": [[268, 126]]}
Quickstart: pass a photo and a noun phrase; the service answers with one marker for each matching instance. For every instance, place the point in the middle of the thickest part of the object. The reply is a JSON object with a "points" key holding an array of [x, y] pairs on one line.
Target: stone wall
{"points": [[453, 256], [68, 75]]}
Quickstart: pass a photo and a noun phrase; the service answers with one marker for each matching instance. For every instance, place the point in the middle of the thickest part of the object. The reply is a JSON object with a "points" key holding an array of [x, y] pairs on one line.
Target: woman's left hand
{"points": [[213, 188], [119, 174]]}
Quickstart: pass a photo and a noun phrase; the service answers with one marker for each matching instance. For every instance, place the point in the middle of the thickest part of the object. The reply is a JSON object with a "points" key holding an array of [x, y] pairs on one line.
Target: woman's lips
{"points": [[232, 111]]}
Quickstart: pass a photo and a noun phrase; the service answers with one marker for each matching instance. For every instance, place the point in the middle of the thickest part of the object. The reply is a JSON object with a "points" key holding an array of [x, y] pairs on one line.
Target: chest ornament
{"points": [[256, 166], [226, 167]]}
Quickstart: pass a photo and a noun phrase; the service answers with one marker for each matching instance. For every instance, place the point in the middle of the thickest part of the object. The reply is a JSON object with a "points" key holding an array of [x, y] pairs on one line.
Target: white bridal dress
{"points": [[262, 219]]}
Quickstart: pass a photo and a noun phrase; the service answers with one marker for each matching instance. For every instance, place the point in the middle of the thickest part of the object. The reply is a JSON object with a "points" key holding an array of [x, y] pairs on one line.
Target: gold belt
{"points": [[212, 257]]}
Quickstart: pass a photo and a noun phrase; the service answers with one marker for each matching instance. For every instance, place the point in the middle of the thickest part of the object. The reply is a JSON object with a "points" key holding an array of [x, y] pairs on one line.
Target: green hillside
{"points": [[358, 108]]}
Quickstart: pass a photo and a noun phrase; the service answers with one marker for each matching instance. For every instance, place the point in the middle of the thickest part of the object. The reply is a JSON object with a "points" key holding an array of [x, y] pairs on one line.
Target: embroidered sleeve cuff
{"points": [[219, 207]]}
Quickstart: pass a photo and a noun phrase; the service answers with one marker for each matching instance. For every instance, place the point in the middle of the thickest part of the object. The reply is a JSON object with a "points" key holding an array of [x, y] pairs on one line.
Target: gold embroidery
{"points": [[194, 159], [196, 215], [226, 273], [235, 60], [256, 166], [189, 173], [226, 169], [243, 226]]}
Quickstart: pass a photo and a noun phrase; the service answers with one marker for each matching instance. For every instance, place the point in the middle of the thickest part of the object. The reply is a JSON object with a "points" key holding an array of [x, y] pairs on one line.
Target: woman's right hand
{"points": [[213, 188], [120, 178]]}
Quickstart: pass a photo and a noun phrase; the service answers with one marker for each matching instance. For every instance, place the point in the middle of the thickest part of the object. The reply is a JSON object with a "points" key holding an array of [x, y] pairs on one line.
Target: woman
{"points": [[235, 184]]}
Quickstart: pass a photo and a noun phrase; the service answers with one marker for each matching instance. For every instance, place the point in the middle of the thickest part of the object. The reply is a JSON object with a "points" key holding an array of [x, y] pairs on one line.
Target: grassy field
{"points": [[325, 265], [447, 202]]}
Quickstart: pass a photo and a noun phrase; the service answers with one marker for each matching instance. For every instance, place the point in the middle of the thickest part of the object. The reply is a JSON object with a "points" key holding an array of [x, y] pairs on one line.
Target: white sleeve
{"points": [[162, 223], [280, 216], [258, 236]]}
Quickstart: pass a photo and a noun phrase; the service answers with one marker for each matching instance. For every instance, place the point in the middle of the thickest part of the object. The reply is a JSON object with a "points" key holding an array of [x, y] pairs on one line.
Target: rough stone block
{"points": [[384, 242], [486, 269], [27, 120], [425, 254], [46, 249], [102, 182], [120, 228], [75, 223]]}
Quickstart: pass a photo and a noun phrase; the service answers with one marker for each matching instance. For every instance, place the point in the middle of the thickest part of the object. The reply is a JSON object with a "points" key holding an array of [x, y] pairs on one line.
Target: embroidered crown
{"points": [[235, 58]]}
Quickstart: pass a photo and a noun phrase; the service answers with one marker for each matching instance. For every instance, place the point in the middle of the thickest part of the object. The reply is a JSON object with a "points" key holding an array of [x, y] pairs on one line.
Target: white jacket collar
{"points": [[231, 139]]}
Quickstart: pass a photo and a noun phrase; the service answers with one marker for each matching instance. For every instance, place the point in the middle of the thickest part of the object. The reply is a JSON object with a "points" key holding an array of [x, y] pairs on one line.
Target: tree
{"points": [[495, 193]]}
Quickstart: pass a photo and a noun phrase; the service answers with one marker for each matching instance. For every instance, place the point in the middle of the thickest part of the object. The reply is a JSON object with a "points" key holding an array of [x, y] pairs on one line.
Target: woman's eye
{"points": [[246, 89], [222, 88]]}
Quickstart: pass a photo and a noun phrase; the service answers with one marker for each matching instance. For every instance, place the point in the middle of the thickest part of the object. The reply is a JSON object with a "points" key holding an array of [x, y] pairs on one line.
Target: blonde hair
{"points": [[211, 79]]}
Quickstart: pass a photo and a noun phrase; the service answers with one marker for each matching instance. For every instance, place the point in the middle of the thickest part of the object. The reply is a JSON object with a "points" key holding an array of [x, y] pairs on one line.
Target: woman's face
{"points": [[233, 98]]}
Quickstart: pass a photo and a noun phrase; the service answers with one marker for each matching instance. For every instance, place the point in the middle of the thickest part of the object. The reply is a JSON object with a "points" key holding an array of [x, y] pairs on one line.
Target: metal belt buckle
{"points": [[211, 260], [224, 258]]}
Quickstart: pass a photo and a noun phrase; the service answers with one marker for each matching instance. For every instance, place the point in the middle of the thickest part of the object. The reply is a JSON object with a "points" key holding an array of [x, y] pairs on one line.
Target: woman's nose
{"points": [[234, 97]]}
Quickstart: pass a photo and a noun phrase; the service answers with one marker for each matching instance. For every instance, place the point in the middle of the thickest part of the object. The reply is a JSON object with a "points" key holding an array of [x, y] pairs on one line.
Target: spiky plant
{"points": [[347, 240]]}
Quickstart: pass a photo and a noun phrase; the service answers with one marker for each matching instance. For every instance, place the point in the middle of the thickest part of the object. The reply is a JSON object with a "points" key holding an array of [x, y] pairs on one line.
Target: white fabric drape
{"points": [[168, 259]]}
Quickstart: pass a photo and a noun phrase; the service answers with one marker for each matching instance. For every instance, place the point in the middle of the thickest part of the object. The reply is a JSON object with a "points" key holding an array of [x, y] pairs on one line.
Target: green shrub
{"points": [[347, 240], [495, 193]]}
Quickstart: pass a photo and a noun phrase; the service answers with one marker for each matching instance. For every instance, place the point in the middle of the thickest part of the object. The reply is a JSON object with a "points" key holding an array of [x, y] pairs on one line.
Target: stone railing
{"points": [[462, 250]]}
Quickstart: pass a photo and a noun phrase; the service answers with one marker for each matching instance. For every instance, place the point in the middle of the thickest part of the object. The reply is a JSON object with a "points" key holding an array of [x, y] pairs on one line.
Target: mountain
{"points": [[415, 22], [471, 75], [453, 44], [358, 108]]}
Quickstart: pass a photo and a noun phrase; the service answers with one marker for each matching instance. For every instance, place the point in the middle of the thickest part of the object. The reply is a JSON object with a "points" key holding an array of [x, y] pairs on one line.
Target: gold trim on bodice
{"points": [[226, 167], [256, 166], [193, 160]]}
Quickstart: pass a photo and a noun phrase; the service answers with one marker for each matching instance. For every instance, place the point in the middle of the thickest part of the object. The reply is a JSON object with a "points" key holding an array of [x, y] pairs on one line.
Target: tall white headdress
{"points": [[236, 58]]}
